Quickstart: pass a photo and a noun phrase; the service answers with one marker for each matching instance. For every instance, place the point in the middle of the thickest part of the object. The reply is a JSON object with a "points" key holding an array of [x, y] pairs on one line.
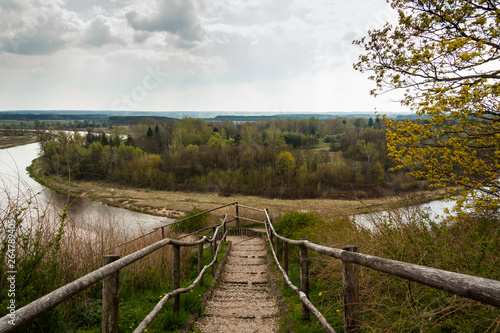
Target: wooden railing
{"points": [[109, 274], [476, 288]]}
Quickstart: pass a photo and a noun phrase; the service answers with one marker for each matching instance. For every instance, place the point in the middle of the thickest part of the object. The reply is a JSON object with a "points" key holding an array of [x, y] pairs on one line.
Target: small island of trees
{"points": [[286, 158]]}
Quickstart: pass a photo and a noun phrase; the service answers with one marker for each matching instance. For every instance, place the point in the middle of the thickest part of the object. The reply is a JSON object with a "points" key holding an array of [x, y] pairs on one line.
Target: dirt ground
{"points": [[11, 141]]}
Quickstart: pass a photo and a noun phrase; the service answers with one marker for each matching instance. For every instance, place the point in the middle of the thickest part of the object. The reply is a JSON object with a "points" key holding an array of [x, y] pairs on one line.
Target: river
{"points": [[17, 186], [433, 210]]}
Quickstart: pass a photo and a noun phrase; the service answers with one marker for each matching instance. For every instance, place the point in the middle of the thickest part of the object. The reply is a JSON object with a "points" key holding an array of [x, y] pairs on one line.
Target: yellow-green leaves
{"points": [[445, 55]]}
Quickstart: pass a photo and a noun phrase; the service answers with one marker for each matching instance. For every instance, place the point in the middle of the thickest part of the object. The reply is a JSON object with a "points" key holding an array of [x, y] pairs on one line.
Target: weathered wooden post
{"points": [[200, 259], [304, 278], [110, 298], [224, 231], [276, 247], [176, 280], [212, 255], [162, 232], [351, 293], [214, 237], [237, 216], [274, 238], [285, 260]]}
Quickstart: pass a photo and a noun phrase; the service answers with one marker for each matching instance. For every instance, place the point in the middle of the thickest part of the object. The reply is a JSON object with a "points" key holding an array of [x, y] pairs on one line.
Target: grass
{"points": [[51, 252], [322, 145], [391, 304], [388, 304], [136, 304]]}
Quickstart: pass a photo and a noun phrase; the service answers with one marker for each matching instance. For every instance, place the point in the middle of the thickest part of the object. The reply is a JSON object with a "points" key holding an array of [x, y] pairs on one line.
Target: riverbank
{"points": [[12, 141], [174, 204]]}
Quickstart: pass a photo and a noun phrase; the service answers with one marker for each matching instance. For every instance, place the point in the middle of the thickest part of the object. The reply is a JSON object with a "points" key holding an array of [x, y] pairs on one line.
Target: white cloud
{"points": [[178, 17], [98, 33], [219, 54], [37, 29]]}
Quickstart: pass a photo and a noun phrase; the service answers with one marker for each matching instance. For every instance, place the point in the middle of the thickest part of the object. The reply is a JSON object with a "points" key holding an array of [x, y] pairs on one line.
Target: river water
{"points": [[17, 186], [434, 210]]}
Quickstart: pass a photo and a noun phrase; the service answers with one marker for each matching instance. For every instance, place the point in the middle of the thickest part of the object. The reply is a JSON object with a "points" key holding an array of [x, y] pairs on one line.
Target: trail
{"points": [[243, 301]]}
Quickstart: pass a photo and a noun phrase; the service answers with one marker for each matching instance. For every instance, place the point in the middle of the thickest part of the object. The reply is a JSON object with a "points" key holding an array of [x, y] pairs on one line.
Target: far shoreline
{"points": [[13, 141]]}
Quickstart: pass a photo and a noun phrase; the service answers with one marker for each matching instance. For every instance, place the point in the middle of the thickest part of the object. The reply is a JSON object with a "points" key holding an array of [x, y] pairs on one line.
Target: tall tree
{"points": [[444, 55]]}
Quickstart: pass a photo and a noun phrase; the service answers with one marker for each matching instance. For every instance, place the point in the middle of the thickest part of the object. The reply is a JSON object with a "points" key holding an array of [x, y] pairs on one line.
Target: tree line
{"points": [[287, 158]]}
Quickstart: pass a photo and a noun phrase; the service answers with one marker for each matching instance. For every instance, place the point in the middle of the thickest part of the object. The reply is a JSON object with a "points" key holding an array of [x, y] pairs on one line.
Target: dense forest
{"points": [[286, 158]]}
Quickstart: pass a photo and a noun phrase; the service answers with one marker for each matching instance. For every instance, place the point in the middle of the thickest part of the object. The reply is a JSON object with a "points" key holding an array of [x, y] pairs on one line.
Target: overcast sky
{"points": [[181, 55]]}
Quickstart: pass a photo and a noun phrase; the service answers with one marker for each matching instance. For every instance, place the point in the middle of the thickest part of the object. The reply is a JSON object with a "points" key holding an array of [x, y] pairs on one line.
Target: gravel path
{"points": [[243, 301]]}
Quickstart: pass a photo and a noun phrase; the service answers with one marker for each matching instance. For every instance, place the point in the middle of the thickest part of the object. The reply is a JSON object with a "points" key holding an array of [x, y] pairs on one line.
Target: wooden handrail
{"points": [[252, 208], [248, 219], [49, 301], [149, 318], [303, 297], [202, 213], [476, 288], [204, 229], [480, 289]]}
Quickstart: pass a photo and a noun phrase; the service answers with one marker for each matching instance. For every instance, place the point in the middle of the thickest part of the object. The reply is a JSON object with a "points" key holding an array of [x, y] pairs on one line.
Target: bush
{"points": [[193, 224], [295, 225]]}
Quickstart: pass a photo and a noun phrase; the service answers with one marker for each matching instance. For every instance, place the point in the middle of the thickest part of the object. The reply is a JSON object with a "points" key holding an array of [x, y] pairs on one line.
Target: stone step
{"points": [[245, 277], [249, 248], [245, 268], [249, 254], [224, 325], [245, 261], [241, 294], [242, 308], [235, 287]]}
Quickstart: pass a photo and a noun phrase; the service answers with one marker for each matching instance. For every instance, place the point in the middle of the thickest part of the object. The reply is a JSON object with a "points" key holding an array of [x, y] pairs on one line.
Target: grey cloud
{"points": [[33, 40], [178, 17], [248, 13], [42, 43], [37, 30], [11, 5], [141, 36], [99, 34]]}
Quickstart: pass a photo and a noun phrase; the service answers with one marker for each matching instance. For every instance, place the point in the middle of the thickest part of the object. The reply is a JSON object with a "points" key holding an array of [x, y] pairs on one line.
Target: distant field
{"points": [[11, 141], [322, 144]]}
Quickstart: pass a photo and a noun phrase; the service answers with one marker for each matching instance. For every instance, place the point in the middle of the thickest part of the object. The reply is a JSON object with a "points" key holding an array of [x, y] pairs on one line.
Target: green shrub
{"points": [[36, 255], [192, 224], [296, 225]]}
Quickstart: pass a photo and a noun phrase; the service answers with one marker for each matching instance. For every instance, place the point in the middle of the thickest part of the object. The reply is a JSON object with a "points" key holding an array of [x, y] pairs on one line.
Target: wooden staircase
{"points": [[243, 301]]}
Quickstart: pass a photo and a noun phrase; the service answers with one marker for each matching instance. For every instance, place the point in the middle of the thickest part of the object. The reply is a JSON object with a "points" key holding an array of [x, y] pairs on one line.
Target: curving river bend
{"points": [[17, 186]]}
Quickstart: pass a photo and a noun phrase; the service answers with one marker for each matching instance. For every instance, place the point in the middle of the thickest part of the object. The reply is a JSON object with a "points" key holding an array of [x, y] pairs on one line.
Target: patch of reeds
{"points": [[470, 246], [52, 249]]}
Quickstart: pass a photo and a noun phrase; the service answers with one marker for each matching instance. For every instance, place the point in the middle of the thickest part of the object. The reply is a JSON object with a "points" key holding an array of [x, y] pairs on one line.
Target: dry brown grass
{"points": [[391, 304], [12, 141]]}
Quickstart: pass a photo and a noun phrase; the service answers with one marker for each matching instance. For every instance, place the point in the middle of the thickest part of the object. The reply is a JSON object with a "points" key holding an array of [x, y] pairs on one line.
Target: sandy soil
{"points": [[12, 141]]}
